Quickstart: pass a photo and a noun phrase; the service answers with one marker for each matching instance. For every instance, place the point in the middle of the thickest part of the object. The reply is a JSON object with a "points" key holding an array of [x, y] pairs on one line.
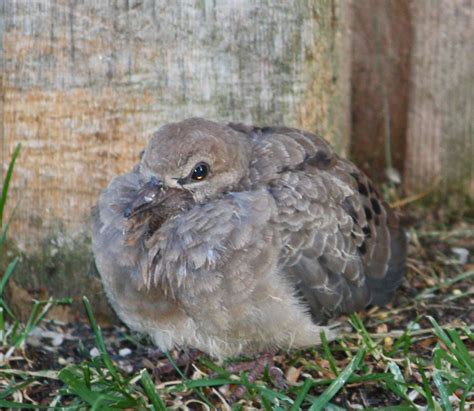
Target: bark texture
{"points": [[85, 83]]}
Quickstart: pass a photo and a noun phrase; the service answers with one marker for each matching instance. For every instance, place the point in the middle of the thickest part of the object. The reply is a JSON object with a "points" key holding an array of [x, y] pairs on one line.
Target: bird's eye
{"points": [[200, 171]]}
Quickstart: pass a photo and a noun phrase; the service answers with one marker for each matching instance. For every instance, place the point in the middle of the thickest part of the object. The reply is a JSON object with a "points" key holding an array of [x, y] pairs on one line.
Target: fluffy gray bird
{"points": [[237, 239]]}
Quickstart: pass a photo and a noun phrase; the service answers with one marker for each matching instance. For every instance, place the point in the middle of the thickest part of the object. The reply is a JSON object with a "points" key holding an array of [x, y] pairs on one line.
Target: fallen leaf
{"points": [[292, 375]]}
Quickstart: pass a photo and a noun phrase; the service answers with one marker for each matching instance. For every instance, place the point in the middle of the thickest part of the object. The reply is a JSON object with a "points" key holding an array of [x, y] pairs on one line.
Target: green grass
{"points": [[361, 359], [395, 359], [4, 193]]}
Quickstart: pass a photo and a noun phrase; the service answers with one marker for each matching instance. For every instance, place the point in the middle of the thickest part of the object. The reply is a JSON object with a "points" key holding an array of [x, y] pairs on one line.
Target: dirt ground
{"points": [[440, 254]]}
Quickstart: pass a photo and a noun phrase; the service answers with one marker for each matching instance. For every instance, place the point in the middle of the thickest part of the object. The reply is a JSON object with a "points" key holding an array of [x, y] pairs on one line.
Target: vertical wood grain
{"points": [[381, 49], [85, 83], [440, 135]]}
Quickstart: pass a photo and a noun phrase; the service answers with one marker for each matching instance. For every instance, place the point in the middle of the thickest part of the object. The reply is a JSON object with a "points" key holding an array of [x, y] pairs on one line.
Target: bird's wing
{"points": [[343, 247]]}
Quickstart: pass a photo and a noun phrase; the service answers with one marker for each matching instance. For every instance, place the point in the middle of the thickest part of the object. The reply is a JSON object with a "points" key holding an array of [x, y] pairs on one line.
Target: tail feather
{"points": [[382, 289]]}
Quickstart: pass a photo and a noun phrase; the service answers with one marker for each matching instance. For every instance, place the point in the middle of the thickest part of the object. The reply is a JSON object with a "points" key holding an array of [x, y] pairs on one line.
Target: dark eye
{"points": [[200, 171]]}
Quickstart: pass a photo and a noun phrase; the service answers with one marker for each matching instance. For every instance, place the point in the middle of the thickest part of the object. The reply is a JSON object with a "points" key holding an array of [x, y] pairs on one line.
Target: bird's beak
{"points": [[149, 196]]}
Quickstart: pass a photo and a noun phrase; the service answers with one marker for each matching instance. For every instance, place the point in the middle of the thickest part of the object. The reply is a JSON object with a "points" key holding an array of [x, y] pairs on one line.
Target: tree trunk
{"points": [[85, 83], [440, 136]]}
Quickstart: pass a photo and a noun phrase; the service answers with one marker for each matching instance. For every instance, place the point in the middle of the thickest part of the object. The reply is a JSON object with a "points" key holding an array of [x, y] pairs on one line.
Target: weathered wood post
{"points": [[85, 83], [440, 135]]}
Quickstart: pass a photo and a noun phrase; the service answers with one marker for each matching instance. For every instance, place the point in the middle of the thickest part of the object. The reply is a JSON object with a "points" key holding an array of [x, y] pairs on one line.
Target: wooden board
{"points": [[381, 50], [85, 83], [440, 135]]}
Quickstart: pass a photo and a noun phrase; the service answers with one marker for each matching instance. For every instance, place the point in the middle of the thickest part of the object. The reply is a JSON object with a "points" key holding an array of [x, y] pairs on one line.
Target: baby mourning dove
{"points": [[237, 239]]}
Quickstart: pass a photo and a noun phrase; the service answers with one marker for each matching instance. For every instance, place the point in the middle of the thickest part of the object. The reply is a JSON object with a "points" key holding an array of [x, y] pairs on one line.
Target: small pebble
{"points": [[412, 326], [383, 315], [356, 406], [224, 390], [58, 340], [127, 368], [147, 363], [413, 395], [461, 253], [124, 352], [393, 175], [34, 341], [388, 342]]}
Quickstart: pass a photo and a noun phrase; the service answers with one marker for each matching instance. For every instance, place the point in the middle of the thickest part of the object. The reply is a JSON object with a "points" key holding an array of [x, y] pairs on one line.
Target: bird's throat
{"points": [[144, 224]]}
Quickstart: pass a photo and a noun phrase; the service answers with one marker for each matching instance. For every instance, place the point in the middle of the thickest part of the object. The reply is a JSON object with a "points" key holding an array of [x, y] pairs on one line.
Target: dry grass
{"points": [[415, 354]]}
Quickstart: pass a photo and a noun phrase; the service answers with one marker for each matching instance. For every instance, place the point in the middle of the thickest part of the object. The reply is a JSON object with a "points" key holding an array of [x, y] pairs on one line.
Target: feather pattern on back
{"points": [[279, 236]]}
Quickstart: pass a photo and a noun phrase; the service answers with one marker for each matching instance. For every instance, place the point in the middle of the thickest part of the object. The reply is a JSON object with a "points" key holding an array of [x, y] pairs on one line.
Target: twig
{"points": [[399, 333], [411, 199]]}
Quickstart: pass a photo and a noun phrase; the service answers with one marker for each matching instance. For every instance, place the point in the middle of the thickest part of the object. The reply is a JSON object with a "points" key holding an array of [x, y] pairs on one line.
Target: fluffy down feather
{"points": [[277, 237]]}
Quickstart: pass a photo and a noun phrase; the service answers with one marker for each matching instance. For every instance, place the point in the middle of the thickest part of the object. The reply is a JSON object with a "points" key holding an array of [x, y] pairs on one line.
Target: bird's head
{"points": [[194, 160]]}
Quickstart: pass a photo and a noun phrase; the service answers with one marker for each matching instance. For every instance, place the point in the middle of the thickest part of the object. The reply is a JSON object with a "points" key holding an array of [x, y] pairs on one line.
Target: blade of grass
{"points": [[8, 273], [453, 380], [53, 375], [440, 354], [267, 404], [398, 378], [443, 393], [12, 388], [185, 379], [150, 391], [396, 383], [203, 382], [395, 388], [339, 382], [3, 333], [439, 332], [428, 291], [328, 353], [86, 372], [273, 395], [458, 296], [74, 383], [3, 282], [467, 391], [6, 182], [99, 339], [35, 318], [457, 354], [370, 345], [396, 408], [426, 384], [308, 383], [461, 350], [356, 379], [5, 405], [71, 377], [405, 339], [332, 407], [213, 366]]}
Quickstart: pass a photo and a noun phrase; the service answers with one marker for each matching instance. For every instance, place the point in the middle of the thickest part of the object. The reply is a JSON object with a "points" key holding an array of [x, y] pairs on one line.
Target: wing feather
{"points": [[339, 242]]}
